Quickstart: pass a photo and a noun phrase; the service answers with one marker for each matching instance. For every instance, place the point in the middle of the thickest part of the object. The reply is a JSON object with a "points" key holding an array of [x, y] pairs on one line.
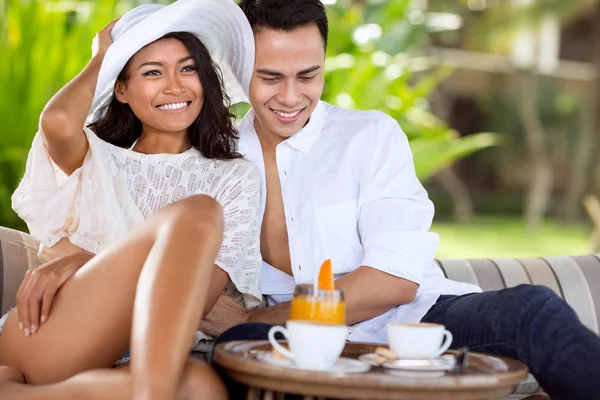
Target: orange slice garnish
{"points": [[326, 276]]}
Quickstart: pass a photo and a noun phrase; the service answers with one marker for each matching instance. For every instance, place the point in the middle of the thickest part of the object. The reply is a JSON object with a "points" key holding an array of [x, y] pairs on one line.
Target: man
{"points": [[340, 184]]}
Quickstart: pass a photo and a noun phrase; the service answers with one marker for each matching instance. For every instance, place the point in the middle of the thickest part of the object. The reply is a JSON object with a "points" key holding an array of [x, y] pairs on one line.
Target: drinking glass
{"points": [[326, 306]]}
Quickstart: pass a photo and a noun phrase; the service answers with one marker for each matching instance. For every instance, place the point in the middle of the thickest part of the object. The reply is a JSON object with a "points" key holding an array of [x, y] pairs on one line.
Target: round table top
{"points": [[486, 376]]}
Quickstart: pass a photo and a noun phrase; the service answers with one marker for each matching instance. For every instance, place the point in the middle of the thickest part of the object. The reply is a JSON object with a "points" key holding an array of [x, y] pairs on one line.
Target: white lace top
{"points": [[116, 189]]}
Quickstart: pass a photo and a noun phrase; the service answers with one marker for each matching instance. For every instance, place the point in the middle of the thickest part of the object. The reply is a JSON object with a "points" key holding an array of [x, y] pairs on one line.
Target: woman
{"points": [[151, 214]]}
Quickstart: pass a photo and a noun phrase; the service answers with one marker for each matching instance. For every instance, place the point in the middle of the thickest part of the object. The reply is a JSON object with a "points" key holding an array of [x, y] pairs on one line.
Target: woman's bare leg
{"points": [[199, 381], [157, 277]]}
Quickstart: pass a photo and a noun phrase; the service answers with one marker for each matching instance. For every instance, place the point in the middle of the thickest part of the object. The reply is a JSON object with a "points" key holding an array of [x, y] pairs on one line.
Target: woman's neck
{"points": [[159, 143]]}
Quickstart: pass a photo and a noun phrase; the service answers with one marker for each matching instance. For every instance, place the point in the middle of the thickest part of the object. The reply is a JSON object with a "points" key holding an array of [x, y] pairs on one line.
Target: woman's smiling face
{"points": [[163, 87]]}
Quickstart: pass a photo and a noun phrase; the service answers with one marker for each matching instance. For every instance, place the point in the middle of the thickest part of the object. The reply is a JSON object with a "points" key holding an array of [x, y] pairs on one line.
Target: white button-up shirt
{"points": [[350, 194]]}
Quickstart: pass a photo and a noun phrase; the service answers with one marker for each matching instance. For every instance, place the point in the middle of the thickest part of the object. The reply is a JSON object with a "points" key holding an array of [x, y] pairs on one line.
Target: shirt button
{"points": [[285, 172], [300, 267], [292, 219]]}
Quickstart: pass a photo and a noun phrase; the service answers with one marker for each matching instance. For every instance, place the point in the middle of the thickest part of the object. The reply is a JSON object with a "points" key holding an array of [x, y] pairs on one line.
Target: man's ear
{"points": [[120, 92]]}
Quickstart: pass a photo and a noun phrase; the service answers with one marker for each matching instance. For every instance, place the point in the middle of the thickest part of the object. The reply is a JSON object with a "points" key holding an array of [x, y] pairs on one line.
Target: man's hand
{"points": [[225, 314]]}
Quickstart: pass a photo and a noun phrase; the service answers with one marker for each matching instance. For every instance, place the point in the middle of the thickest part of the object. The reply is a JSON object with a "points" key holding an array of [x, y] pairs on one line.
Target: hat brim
{"points": [[219, 24]]}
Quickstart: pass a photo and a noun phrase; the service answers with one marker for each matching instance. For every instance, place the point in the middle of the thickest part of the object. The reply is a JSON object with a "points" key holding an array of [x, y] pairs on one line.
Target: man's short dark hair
{"points": [[286, 15]]}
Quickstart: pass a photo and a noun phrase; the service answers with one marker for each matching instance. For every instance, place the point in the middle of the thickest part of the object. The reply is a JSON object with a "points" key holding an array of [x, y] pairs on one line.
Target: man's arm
{"points": [[368, 293], [394, 218]]}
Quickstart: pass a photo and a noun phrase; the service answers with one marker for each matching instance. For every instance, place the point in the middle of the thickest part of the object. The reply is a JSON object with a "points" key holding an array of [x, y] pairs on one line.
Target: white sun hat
{"points": [[220, 24]]}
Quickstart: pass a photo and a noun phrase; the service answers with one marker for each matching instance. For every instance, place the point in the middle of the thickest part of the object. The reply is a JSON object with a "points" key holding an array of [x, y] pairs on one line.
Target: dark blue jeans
{"points": [[531, 324], [528, 323]]}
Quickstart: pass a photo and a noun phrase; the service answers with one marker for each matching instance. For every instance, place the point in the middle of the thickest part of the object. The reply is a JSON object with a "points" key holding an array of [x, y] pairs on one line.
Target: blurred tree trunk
{"points": [[582, 157], [540, 178], [441, 104], [461, 197]]}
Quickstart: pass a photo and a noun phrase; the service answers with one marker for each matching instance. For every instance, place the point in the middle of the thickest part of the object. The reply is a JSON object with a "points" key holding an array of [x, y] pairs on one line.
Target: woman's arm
{"points": [[61, 249], [63, 118]]}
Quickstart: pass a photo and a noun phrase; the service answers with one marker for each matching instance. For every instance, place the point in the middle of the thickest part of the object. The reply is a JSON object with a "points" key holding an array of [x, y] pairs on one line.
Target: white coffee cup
{"points": [[418, 340], [312, 345]]}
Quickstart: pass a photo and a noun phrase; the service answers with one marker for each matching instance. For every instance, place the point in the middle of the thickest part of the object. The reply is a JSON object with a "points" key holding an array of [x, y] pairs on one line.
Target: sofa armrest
{"points": [[18, 253]]}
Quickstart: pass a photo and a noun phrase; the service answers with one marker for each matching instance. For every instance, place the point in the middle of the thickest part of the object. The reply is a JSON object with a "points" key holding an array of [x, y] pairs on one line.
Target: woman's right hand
{"points": [[36, 294], [103, 40]]}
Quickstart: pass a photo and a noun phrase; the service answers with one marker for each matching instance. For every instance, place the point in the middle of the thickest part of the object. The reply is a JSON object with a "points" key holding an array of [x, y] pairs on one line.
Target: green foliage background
{"points": [[44, 43]]}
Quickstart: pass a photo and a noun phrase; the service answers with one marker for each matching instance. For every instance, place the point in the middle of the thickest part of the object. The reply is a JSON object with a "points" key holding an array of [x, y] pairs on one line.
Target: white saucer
{"points": [[413, 367], [341, 365]]}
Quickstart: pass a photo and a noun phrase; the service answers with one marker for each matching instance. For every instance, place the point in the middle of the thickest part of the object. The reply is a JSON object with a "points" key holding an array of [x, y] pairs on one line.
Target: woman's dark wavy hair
{"points": [[212, 133]]}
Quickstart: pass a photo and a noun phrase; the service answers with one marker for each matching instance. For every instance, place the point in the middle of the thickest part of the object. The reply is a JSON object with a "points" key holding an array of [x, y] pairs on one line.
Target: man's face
{"points": [[287, 81]]}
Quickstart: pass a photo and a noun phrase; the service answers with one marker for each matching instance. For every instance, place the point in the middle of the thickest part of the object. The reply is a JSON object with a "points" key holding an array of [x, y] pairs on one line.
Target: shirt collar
{"points": [[305, 138]]}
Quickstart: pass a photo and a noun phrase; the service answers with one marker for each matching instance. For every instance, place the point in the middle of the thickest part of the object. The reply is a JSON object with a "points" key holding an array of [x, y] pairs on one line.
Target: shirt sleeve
{"points": [[44, 200], [239, 254], [56, 206], [395, 213]]}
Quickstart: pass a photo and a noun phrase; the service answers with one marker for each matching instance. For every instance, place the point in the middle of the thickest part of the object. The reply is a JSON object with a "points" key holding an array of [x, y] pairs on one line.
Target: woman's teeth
{"points": [[287, 115], [173, 106]]}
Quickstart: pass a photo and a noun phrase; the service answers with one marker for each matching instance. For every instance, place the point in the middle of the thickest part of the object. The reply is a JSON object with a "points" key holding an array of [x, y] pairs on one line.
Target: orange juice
{"points": [[311, 308]]}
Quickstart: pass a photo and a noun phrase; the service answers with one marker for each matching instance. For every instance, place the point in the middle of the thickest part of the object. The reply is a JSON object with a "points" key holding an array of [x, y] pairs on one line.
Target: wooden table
{"points": [[486, 377]]}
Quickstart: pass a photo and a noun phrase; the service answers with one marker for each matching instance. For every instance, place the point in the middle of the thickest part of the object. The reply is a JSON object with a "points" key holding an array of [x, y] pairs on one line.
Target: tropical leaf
{"points": [[434, 154]]}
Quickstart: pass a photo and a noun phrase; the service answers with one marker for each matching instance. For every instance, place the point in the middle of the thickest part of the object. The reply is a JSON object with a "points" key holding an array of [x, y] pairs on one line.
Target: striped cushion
{"points": [[576, 279], [18, 252]]}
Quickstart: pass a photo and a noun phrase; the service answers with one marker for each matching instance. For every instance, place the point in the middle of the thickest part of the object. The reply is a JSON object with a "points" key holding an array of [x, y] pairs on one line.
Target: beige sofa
{"points": [[574, 278]]}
